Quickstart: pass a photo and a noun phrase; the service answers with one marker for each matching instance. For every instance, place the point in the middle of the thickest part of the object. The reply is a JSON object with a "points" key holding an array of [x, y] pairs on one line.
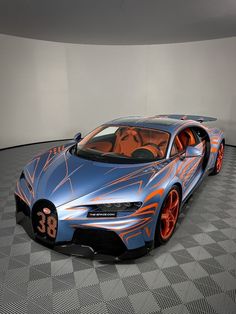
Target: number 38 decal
{"points": [[47, 224]]}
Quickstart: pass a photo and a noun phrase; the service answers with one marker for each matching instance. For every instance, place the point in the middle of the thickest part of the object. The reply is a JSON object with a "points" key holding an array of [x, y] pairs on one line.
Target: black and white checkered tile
{"points": [[195, 272]]}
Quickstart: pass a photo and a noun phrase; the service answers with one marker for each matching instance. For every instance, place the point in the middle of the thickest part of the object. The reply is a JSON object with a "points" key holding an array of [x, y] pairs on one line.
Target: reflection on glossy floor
{"points": [[194, 273]]}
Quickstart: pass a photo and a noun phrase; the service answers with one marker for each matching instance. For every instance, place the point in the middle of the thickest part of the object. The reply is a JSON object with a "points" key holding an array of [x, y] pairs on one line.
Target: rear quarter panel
{"points": [[216, 137]]}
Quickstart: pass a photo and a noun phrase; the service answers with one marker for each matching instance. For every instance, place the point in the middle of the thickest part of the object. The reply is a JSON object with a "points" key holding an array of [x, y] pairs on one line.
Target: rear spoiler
{"points": [[187, 117]]}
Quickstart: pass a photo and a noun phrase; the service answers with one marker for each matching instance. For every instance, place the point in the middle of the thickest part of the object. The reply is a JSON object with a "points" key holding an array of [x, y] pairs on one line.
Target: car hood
{"points": [[63, 178]]}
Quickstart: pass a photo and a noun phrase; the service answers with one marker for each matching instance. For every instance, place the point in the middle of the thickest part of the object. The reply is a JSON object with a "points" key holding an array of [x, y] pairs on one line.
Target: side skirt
{"points": [[190, 193]]}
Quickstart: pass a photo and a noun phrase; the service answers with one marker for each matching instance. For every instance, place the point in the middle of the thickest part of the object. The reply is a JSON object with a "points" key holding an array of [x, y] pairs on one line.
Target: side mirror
{"points": [[193, 152], [77, 137]]}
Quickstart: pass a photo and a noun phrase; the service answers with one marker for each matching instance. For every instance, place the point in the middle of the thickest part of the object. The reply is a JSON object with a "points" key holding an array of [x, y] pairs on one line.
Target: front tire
{"points": [[219, 160], [168, 216]]}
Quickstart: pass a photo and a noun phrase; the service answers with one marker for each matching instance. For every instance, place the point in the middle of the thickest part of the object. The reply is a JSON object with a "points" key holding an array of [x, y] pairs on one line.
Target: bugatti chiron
{"points": [[120, 189]]}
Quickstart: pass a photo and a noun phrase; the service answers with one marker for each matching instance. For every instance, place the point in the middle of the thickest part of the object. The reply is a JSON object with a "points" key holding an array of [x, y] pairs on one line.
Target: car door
{"points": [[188, 168]]}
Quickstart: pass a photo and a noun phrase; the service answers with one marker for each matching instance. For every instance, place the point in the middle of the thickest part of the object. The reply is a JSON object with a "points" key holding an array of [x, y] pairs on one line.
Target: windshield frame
{"points": [[118, 159]]}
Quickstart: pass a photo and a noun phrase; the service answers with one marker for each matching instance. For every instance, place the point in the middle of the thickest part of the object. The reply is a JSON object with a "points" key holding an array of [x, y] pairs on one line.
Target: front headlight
{"points": [[129, 206]]}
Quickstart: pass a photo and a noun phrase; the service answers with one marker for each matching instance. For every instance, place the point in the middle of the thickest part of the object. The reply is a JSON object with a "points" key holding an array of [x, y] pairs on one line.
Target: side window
{"points": [[177, 147], [174, 150], [201, 135], [185, 138], [107, 131]]}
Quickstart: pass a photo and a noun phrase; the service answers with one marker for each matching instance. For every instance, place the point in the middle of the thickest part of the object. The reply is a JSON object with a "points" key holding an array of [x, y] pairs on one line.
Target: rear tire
{"points": [[168, 216], [219, 159]]}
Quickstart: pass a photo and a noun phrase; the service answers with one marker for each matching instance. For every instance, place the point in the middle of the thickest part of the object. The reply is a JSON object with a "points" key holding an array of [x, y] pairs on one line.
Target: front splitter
{"points": [[70, 248]]}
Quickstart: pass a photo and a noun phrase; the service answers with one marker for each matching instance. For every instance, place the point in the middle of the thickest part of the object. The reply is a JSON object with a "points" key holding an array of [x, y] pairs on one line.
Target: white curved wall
{"points": [[52, 90]]}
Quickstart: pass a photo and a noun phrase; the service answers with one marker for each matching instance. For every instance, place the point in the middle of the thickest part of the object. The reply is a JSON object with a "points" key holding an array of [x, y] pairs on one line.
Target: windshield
{"points": [[123, 144]]}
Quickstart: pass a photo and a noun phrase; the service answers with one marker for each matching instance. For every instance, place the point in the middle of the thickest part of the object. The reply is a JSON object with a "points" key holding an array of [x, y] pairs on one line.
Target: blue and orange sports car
{"points": [[119, 190]]}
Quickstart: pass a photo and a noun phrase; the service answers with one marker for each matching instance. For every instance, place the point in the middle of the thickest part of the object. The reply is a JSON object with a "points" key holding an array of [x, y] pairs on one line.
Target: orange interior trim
{"points": [[101, 146], [178, 144], [127, 141], [192, 140]]}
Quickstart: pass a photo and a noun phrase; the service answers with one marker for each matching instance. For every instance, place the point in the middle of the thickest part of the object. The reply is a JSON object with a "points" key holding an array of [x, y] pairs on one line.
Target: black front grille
{"points": [[45, 224], [21, 206], [102, 241]]}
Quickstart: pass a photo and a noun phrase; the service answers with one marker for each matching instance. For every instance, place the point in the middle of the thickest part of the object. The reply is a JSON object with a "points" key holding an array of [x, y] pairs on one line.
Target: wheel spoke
{"points": [[169, 214], [166, 227], [176, 203], [220, 156], [171, 199], [171, 217], [164, 216]]}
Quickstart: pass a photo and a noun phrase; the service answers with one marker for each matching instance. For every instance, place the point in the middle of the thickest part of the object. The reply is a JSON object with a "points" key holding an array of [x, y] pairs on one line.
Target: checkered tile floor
{"points": [[194, 273]]}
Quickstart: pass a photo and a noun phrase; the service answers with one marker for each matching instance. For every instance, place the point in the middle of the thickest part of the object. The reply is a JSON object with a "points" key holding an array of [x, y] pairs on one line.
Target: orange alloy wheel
{"points": [[220, 156], [169, 214]]}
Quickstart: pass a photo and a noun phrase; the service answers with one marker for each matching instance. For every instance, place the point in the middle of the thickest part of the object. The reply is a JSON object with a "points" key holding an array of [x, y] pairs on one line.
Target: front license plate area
{"points": [[101, 214], [45, 221], [46, 225]]}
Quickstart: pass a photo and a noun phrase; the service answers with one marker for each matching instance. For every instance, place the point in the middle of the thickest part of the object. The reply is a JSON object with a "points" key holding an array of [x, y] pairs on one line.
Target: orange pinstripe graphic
{"points": [[110, 170], [140, 224], [33, 175], [48, 161], [148, 231], [86, 219], [134, 174], [171, 165], [132, 236], [188, 163], [146, 212], [115, 190], [66, 177], [136, 227], [143, 210], [154, 193], [74, 226], [89, 136], [183, 167], [189, 173], [193, 167], [115, 224], [30, 190], [179, 168], [22, 195], [185, 176], [76, 208]]}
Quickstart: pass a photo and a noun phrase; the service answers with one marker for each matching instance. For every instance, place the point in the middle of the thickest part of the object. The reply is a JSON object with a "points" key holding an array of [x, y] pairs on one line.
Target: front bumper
{"points": [[86, 242]]}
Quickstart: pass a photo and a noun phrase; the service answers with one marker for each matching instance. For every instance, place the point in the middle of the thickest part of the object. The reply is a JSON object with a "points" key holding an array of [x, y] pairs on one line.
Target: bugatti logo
{"points": [[47, 211]]}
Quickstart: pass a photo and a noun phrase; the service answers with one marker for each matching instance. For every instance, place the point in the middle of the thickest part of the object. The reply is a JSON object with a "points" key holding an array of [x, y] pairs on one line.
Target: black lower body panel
{"points": [[92, 243]]}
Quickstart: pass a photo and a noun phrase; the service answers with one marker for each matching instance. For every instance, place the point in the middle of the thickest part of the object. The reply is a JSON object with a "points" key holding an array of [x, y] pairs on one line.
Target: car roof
{"points": [[154, 122]]}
